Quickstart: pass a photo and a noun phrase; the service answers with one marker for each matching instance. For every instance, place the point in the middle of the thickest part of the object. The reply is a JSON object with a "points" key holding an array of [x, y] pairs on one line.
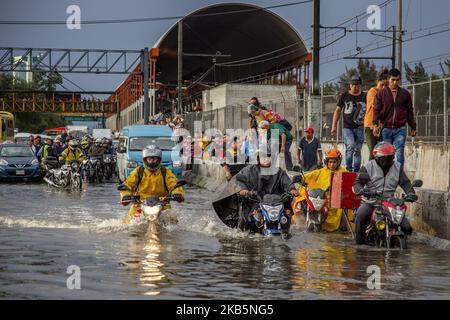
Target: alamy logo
{"points": [[74, 281], [374, 19], [74, 20], [374, 280]]}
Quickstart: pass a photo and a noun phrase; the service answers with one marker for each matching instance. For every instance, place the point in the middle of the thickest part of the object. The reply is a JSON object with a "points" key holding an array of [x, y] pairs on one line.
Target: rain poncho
{"points": [[321, 179], [152, 185]]}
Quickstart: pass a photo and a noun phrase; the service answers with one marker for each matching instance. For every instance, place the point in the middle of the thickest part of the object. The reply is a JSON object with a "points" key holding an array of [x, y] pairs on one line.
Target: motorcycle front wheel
{"points": [[398, 242], [77, 182]]}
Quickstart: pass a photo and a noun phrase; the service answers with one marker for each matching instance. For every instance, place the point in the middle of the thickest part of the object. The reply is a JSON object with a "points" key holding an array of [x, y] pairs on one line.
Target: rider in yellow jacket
{"points": [[152, 183], [72, 153], [321, 178]]}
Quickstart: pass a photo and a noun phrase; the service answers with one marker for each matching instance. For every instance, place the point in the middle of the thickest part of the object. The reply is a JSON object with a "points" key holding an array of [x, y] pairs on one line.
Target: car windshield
{"points": [[139, 143], [16, 152]]}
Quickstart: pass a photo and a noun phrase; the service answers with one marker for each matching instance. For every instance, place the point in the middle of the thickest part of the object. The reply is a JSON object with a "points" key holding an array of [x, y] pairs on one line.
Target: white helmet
{"points": [[73, 143], [151, 151]]}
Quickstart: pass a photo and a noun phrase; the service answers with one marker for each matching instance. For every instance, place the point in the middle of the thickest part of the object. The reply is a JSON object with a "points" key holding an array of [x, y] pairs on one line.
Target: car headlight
{"points": [[397, 215], [3, 162], [176, 164], [273, 211], [35, 161], [151, 212], [317, 203], [132, 164]]}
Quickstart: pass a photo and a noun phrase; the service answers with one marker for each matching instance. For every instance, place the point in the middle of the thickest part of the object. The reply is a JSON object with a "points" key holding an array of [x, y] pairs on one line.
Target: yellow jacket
{"points": [[321, 179], [68, 155], [152, 184]]}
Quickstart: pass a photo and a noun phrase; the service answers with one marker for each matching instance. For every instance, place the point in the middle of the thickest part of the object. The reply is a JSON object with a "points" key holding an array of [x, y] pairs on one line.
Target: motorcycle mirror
{"points": [[363, 177], [417, 183], [123, 187], [297, 179], [297, 169]]}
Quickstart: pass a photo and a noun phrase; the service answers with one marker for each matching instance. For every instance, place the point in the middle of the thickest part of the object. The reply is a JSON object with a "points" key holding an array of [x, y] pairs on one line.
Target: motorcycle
{"points": [[311, 203], [49, 163], [67, 175], [109, 165], [385, 229], [269, 216], [151, 209], [91, 170]]}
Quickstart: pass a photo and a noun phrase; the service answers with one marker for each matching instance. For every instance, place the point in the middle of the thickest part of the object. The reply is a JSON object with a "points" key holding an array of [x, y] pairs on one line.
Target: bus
{"points": [[6, 126]]}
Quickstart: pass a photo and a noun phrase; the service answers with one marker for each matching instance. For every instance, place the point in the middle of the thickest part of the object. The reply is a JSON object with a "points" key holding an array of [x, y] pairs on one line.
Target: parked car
{"points": [[17, 161], [22, 137]]}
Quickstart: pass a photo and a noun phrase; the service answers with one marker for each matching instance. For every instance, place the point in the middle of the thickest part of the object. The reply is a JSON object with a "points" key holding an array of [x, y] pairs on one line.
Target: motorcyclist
{"points": [[150, 180], [97, 150], [321, 179], [72, 153], [47, 150], [385, 175], [85, 145], [107, 145], [263, 178], [59, 146]]}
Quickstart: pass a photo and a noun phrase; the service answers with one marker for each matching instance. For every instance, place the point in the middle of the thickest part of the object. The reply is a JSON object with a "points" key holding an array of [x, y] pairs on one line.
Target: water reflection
{"points": [[145, 263]]}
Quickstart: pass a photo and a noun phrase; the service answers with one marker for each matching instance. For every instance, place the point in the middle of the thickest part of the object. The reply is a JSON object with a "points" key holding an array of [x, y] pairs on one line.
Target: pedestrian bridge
{"points": [[69, 103]]}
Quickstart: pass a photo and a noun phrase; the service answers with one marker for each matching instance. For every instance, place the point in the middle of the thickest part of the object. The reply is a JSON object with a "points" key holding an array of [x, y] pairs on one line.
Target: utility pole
{"points": [[394, 37], [399, 30], [316, 46], [314, 100], [144, 68], [180, 65]]}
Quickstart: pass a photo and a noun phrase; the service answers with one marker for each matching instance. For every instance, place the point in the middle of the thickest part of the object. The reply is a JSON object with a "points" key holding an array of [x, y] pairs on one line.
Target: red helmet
{"points": [[383, 149]]}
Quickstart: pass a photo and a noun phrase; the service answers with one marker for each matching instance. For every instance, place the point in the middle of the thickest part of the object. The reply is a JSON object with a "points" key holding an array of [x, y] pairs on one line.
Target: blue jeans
{"points": [[353, 140], [287, 155], [397, 137]]}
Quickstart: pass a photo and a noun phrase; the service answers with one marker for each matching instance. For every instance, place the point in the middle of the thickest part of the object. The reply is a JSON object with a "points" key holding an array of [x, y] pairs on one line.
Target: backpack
{"points": [[285, 124], [141, 174]]}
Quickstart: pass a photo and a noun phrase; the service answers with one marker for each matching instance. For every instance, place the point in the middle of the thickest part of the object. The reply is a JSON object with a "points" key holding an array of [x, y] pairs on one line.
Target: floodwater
{"points": [[44, 231]]}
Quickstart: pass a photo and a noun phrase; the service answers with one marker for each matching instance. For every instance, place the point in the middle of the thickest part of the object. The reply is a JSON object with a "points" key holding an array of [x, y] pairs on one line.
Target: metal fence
{"points": [[431, 111], [236, 117], [430, 102]]}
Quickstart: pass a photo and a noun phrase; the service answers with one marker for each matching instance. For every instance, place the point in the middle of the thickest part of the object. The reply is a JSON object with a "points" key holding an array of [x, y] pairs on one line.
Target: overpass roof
{"points": [[244, 31]]}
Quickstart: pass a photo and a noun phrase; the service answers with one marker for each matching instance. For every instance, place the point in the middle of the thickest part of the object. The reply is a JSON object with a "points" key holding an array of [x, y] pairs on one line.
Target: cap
{"points": [[309, 130], [355, 80]]}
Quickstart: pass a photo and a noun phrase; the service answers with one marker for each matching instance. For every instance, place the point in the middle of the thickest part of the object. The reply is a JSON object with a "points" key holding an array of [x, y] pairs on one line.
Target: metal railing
{"points": [[430, 102]]}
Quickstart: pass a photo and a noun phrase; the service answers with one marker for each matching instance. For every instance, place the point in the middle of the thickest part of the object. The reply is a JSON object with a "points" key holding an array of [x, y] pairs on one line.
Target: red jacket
{"points": [[401, 114]]}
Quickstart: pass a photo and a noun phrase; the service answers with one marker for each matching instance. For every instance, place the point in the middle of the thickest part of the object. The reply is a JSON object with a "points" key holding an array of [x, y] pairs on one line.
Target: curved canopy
{"points": [[245, 31]]}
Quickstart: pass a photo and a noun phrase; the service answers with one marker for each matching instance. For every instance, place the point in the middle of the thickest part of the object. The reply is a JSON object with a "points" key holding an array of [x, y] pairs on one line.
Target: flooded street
{"points": [[44, 231]]}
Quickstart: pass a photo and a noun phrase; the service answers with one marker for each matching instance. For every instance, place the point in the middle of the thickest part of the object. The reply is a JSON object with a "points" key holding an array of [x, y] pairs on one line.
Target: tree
{"points": [[34, 122], [366, 70]]}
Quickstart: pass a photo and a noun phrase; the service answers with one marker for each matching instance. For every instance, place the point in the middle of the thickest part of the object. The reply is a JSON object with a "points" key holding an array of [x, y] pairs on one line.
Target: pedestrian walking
{"points": [[353, 104], [371, 139], [309, 152], [393, 110]]}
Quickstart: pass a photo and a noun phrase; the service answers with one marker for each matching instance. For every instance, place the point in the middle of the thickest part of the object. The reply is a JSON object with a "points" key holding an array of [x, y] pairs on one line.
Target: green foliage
{"points": [[366, 70], [34, 122]]}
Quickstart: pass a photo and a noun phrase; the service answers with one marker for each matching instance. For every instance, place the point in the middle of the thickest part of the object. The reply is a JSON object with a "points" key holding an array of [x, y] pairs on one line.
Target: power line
{"points": [[87, 22]]}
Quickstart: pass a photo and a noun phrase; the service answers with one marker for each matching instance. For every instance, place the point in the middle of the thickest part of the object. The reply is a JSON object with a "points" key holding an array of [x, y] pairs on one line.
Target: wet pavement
{"points": [[44, 231]]}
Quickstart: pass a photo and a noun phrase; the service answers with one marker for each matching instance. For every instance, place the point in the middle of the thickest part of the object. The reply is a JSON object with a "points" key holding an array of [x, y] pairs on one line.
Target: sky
{"points": [[417, 15]]}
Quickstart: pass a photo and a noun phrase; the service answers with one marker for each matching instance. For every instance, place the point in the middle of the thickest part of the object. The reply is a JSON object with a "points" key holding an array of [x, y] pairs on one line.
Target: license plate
{"points": [[20, 172]]}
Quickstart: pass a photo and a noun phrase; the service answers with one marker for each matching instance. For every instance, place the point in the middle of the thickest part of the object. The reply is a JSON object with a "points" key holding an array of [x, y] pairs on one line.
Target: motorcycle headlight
{"points": [[3, 162], [273, 211], [176, 164], [397, 215], [151, 212], [35, 162], [381, 224], [132, 164], [317, 203], [85, 161]]}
